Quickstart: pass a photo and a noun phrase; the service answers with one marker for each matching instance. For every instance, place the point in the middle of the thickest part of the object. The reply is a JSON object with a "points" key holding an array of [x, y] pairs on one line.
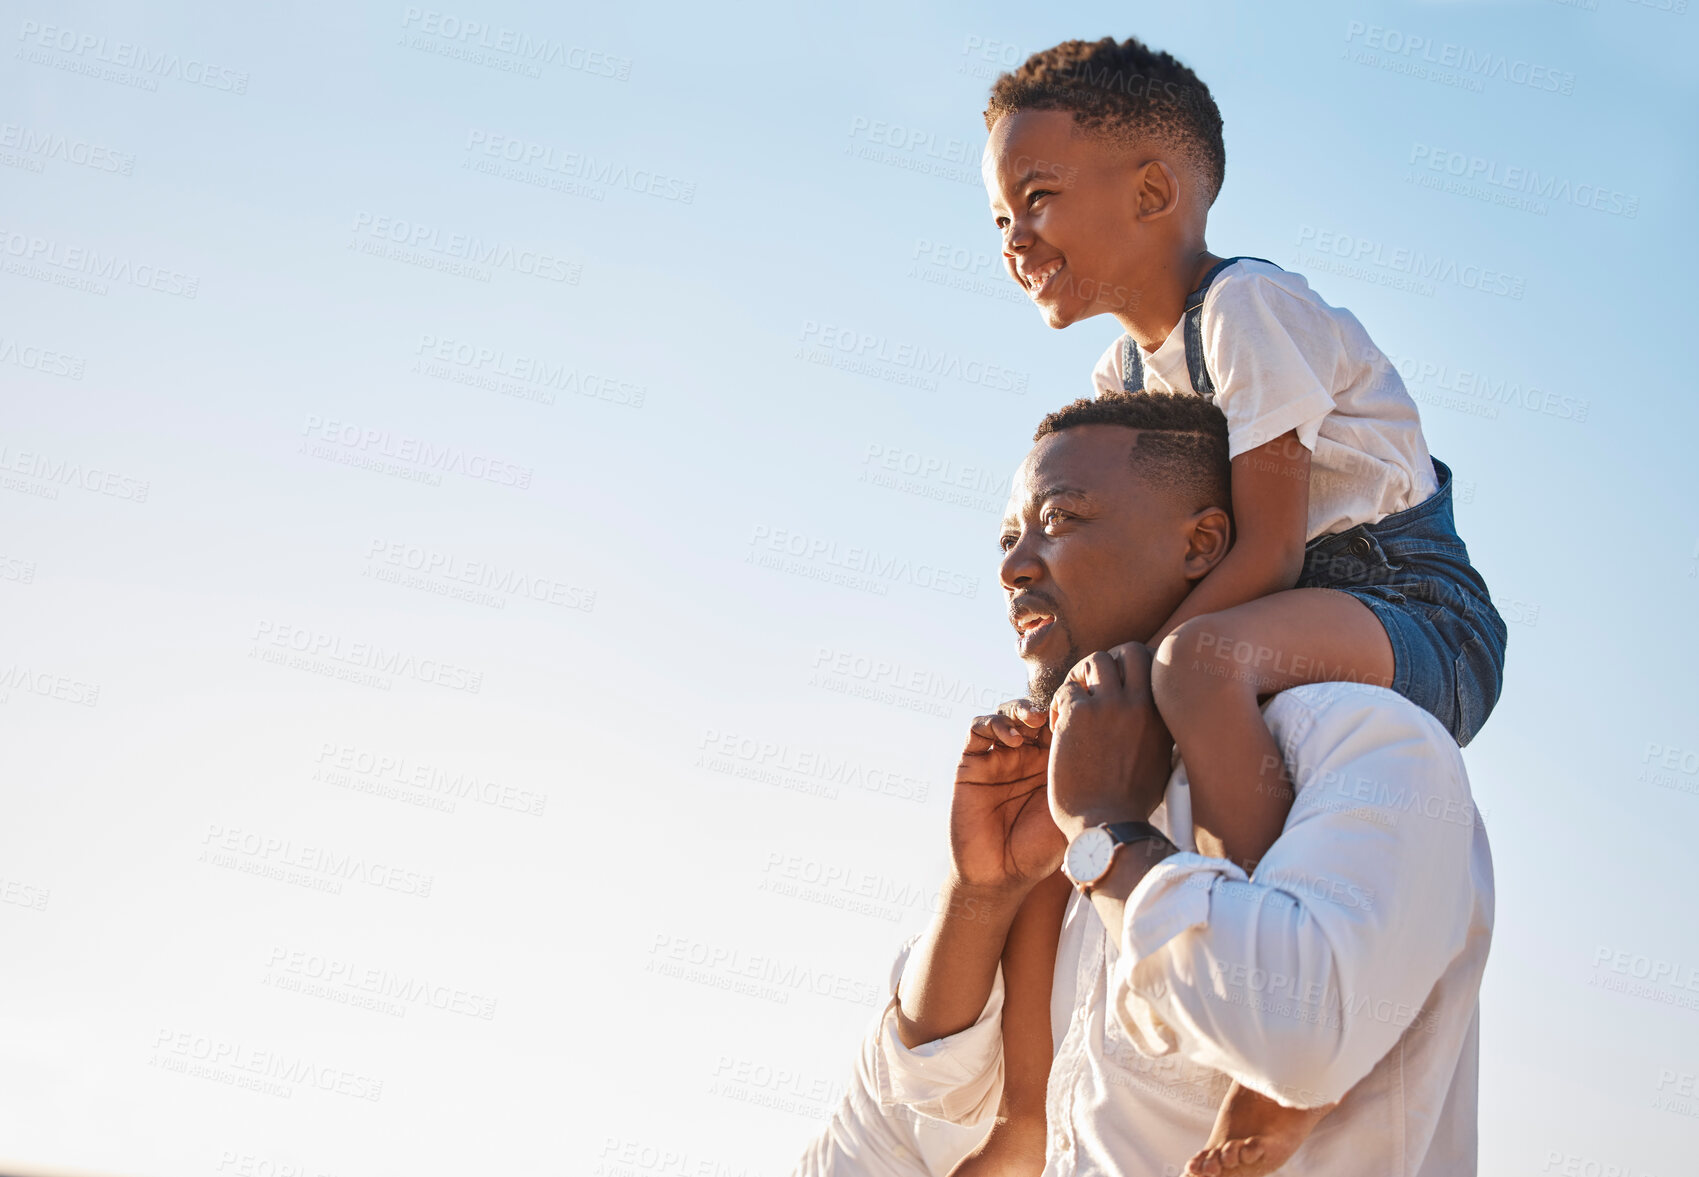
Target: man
{"points": [[1348, 970]]}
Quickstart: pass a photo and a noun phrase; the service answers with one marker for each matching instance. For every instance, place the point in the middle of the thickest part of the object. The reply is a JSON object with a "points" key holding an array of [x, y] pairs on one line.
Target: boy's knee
{"points": [[1197, 662]]}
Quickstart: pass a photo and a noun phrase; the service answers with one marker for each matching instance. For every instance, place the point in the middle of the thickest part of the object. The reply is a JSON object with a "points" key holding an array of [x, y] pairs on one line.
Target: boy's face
{"points": [[1067, 206]]}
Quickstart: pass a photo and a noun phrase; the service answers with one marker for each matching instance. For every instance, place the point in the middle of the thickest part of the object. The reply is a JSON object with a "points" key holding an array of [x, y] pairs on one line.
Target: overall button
{"points": [[1362, 545]]}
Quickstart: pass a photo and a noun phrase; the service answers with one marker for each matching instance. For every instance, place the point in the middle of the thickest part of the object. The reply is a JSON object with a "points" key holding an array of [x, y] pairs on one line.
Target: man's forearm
{"points": [[949, 979]]}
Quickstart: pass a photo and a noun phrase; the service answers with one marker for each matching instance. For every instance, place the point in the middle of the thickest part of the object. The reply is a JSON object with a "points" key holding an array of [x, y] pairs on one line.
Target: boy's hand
{"points": [[1002, 836], [1109, 756]]}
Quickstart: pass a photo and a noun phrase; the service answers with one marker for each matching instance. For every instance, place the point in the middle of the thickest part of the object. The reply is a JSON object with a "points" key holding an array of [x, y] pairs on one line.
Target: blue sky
{"points": [[470, 626]]}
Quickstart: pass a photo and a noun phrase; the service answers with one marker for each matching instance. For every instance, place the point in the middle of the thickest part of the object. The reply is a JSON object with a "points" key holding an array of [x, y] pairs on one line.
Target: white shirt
{"points": [[1349, 967], [1283, 359]]}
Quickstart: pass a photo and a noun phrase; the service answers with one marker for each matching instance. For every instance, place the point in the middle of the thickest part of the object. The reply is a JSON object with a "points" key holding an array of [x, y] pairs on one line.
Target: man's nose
{"points": [[1020, 567]]}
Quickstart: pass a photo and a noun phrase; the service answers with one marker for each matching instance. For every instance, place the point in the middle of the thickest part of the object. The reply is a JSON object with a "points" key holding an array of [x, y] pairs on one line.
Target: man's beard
{"points": [[1045, 679]]}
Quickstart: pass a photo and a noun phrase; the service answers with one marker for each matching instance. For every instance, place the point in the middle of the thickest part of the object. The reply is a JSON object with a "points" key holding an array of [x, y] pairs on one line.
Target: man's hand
{"points": [[1002, 836], [1109, 752]]}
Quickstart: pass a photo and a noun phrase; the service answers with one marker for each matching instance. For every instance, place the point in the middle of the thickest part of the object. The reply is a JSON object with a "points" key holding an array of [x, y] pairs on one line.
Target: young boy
{"points": [[1102, 163]]}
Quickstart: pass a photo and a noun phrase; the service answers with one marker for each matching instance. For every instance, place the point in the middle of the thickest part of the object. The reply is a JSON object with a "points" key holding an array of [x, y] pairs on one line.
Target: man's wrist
{"points": [[1133, 861], [1073, 825], [980, 902]]}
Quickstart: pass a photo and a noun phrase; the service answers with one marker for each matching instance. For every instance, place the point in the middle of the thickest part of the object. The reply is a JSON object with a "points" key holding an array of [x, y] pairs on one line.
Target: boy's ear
{"points": [[1207, 541], [1158, 190]]}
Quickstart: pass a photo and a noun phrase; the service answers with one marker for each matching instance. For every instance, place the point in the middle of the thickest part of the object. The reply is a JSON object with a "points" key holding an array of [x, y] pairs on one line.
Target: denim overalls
{"points": [[1410, 568]]}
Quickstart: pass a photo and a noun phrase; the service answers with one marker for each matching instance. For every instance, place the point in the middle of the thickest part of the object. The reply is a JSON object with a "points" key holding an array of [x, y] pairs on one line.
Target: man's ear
{"points": [[1158, 190], [1209, 536]]}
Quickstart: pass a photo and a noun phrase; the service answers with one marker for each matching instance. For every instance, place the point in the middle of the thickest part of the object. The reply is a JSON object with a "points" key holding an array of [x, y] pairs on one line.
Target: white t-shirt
{"points": [[1283, 359]]}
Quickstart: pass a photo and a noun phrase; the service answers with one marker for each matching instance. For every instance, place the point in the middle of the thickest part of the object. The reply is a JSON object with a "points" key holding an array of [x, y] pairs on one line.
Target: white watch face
{"points": [[1089, 854]]}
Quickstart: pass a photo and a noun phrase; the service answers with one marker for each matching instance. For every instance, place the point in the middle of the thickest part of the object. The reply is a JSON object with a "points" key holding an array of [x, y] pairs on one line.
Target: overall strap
{"points": [[1193, 320], [1132, 365]]}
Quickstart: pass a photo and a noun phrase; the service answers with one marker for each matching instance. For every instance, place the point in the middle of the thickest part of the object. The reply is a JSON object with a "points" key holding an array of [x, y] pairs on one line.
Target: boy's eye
{"points": [[1033, 199], [1001, 222]]}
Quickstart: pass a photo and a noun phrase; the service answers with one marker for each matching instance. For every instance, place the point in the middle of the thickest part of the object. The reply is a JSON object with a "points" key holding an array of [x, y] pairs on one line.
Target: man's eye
{"points": [[1052, 516], [1005, 543]]}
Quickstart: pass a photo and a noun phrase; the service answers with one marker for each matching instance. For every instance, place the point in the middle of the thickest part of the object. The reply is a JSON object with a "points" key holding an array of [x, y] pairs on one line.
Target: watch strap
{"points": [[1124, 833], [1133, 831]]}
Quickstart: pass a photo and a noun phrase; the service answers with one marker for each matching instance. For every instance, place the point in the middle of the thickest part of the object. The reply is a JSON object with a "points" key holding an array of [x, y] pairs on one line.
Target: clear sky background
{"points": [[427, 694]]}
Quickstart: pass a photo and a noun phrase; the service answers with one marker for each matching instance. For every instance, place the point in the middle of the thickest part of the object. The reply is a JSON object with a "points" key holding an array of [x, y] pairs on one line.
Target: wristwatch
{"points": [[1091, 856]]}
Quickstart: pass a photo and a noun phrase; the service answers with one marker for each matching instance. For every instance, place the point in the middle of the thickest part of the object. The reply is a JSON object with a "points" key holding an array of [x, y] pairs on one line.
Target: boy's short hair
{"points": [[1123, 90], [1181, 446]]}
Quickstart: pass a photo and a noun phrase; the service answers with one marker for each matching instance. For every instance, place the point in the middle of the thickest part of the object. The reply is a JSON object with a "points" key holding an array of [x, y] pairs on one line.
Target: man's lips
{"points": [[1031, 628]]}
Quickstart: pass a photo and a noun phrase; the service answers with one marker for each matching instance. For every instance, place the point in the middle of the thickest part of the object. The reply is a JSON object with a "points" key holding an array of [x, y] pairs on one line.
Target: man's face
{"points": [[1067, 207], [1093, 556]]}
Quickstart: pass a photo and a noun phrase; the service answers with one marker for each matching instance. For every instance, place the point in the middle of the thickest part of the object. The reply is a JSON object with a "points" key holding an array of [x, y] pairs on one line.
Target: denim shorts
{"points": [[1414, 572]]}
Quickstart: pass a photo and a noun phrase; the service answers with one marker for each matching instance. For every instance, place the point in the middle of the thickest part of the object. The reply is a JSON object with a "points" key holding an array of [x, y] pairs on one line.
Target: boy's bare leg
{"points": [[1207, 679], [1015, 1146]]}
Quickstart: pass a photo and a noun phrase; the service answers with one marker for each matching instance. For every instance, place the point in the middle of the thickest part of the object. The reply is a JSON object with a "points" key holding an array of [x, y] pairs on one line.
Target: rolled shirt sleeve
{"points": [[958, 1078], [1297, 982]]}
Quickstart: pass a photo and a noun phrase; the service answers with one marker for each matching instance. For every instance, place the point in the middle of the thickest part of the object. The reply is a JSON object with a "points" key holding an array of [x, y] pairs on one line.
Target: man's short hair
{"points": [[1122, 90], [1181, 445]]}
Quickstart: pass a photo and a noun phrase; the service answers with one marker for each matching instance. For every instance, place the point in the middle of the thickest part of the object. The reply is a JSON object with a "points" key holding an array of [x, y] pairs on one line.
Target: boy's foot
{"points": [[1253, 1136]]}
